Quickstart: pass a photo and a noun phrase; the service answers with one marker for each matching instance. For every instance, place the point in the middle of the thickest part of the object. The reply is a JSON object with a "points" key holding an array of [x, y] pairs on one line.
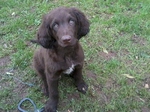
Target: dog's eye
{"points": [[71, 22], [55, 26]]}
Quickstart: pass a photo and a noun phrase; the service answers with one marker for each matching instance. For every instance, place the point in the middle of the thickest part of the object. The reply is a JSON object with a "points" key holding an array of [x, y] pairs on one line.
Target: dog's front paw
{"points": [[50, 107], [82, 87], [49, 110]]}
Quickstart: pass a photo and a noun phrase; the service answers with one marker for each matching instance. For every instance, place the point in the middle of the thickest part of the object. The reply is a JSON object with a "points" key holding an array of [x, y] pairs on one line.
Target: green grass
{"points": [[118, 26]]}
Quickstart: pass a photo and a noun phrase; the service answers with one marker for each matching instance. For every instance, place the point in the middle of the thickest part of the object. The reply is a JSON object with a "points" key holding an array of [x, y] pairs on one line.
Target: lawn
{"points": [[117, 51]]}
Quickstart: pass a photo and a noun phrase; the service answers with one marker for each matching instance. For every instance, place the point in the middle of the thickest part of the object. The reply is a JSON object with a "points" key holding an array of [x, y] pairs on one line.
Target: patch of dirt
{"points": [[91, 75], [145, 109], [138, 40], [9, 82], [98, 88], [104, 99], [123, 52], [128, 62], [109, 55], [20, 90], [4, 61], [110, 84], [74, 95]]}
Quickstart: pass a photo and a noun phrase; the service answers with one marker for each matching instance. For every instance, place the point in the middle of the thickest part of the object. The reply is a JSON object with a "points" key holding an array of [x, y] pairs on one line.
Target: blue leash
{"points": [[28, 99]]}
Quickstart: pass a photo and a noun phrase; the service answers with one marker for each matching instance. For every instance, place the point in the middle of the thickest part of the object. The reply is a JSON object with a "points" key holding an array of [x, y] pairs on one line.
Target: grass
{"points": [[118, 43]]}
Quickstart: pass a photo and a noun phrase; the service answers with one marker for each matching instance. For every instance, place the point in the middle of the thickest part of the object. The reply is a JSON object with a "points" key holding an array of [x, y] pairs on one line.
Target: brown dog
{"points": [[61, 51]]}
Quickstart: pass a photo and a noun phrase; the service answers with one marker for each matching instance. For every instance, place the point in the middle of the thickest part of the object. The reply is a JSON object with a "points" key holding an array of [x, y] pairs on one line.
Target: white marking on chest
{"points": [[69, 70]]}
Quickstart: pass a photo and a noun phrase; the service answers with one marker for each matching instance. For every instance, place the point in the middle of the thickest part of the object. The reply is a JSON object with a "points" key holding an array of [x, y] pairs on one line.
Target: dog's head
{"points": [[63, 27]]}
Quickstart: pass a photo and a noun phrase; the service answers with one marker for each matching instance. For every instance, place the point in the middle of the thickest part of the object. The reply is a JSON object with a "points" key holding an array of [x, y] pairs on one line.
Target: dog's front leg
{"points": [[52, 81], [79, 82]]}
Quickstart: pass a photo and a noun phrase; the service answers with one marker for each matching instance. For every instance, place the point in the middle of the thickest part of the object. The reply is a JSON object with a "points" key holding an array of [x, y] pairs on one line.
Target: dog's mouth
{"points": [[67, 43]]}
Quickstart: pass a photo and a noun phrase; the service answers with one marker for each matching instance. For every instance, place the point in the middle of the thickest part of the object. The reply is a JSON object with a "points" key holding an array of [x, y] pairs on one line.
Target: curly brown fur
{"points": [[61, 51]]}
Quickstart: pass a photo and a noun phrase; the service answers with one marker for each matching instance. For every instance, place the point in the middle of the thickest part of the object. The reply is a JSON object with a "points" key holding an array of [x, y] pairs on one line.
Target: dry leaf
{"points": [[13, 14], [136, 57], [146, 86], [105, 51], [9, 73], [128, 76]]}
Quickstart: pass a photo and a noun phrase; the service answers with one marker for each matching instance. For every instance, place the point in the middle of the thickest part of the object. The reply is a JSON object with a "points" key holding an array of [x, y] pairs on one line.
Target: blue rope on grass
{"points": [[28, 99], [10, 74]]}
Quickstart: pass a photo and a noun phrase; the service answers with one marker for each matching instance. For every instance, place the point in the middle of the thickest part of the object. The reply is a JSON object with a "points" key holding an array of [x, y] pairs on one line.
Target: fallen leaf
{"points": [[146, 86], [70, 111], [136, 57], [13, 14], [105, 51], [128, 76], [9, 73]]}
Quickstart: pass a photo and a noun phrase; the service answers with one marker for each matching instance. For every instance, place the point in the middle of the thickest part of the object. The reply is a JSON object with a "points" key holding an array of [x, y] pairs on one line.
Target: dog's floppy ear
{"points": [[82, 21], [44, 34]]}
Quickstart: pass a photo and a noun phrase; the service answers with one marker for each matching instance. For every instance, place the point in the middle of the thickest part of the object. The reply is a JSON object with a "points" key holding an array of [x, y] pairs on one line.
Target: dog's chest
{"points": [[71, 65], [69, 70]]}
